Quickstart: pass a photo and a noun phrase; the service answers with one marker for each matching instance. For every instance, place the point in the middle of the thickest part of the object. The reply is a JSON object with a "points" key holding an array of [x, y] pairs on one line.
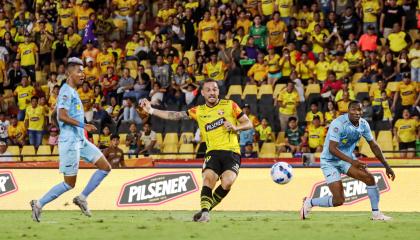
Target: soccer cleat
{"points": [[205, 217], [306, 208], [36, 211], [379, 216], [82, 204], [197, 216]]}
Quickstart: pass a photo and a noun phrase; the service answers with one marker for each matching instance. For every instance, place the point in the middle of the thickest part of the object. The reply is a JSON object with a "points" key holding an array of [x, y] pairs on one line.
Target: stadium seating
{"points": [[28, 150], [123, 137], [361, 90], [277, 90], [43, 150], [268, 150], [312, 89], [95, 138], [186, 151], [55, 154], [285, 155], [265, 89], [170, 139], [392, 86], [14, 150]]}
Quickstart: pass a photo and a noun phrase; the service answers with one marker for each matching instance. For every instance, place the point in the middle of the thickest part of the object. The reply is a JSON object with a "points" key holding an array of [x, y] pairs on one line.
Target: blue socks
{"points": [[94, 181], [54, 193], [322, 202], [373, 193]]}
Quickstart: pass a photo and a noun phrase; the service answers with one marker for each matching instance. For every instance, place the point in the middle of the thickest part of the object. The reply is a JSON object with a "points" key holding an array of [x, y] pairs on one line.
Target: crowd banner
{"points": [[179, 189]]}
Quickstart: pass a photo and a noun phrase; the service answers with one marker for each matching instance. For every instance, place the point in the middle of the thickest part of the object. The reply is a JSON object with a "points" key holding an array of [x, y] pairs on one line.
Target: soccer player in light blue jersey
{"points": [[337, 158], [73, 144]]}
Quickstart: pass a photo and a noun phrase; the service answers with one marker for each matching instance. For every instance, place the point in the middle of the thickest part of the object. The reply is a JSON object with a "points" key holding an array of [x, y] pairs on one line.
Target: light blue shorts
{"points": [[333, 169], [274, 75], [71, 151]]}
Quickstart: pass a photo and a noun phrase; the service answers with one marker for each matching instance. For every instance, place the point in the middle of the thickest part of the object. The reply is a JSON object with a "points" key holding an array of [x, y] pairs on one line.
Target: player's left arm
{"points": [[379, 155], [244, 124]]}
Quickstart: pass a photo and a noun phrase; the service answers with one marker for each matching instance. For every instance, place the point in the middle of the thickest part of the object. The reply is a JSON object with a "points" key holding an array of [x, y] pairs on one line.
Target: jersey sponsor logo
{"points": [[157, 189], [354, 190], [23, 95], [407, 93], [215, 124], [27, 52], [7, 183], [208, 29], [34, 119]]}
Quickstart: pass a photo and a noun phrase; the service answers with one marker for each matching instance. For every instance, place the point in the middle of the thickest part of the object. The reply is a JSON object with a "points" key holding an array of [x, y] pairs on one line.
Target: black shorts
{"points": [[405, 146], [220, 161]]}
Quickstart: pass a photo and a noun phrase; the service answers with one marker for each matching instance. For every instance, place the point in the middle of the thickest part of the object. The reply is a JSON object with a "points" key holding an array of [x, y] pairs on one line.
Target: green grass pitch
{"points": [[173, 225]]}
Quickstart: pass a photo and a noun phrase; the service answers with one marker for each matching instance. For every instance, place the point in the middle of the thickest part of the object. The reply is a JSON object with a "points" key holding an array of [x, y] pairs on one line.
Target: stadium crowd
{"points": [[302, 60]]}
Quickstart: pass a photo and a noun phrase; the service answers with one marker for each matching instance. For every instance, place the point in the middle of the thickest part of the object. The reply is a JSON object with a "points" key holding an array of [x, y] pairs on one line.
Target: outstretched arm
{"points": [[379, 155], [169, 115]]}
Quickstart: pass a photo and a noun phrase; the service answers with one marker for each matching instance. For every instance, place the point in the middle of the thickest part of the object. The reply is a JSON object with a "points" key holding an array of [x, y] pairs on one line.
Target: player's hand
{"points": [[90, 127], [359, 165], [145, 104], [390, 173], [229, 126]]}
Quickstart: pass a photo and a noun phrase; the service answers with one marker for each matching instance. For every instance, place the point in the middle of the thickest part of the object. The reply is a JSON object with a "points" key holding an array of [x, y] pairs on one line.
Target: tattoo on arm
{"points": [[177, 115]]}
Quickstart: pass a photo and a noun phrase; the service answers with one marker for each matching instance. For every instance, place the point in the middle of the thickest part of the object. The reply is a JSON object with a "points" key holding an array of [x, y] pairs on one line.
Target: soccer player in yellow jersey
{"points": [[406, 131], [35, 122], [208, 29], [219, 121]]}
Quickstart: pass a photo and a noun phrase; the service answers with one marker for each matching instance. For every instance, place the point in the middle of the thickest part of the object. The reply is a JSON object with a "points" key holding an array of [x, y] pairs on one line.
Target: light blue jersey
{"points": [[72, 143], [347, 135], [69, 99]]}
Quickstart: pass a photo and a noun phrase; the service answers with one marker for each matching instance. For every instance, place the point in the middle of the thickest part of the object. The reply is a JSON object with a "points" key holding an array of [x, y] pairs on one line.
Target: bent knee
{"points": [[369, 180]]}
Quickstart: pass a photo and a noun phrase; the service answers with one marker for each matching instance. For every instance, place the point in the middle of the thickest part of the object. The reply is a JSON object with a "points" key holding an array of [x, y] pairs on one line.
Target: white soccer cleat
{"points": [[306, 208], [36, 211], [82, 204], [201, 217], [379, 216]]}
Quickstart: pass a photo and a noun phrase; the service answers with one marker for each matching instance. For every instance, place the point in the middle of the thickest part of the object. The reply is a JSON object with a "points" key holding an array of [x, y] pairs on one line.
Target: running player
{"points": [[337, 158], [219, 121], [73, 144]]}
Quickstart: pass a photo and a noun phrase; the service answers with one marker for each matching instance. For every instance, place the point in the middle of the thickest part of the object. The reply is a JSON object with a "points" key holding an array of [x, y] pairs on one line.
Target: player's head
{"points": [[75, 71], [210, 92], [115, 140], [355, 111]]}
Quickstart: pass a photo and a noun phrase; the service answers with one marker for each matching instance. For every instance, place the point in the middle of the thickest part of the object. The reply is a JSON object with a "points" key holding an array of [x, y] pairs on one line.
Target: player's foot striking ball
{"points": [[337, 158], [73, 144], [219, 121]]}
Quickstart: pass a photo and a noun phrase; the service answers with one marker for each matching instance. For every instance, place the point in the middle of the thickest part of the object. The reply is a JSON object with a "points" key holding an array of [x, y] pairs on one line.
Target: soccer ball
{"points": [[281, 172]]}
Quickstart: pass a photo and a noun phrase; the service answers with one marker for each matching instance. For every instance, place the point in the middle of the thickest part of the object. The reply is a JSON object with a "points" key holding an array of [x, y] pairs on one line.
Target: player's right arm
{"points": [[169, 115]]}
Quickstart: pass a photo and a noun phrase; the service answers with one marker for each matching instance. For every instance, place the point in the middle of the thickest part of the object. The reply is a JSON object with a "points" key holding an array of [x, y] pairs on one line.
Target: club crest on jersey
{"points": [[215, 124], [221, 112]]}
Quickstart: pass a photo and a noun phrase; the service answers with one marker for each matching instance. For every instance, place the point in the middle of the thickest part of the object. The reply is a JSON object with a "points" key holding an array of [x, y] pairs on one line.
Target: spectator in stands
{"points": [[354, 57], [86, 96], [345, 87], [264, 132], [148, 141], [260, 33], [105, 58], [367, 111], [53, 138], [247, 136], [104, 138], [132, 140], [277, 32], [113, 109], [24, 93], [313, 113], [398, 40], [4, 125], [293, 137], [340, 66], [91, 71], [408, 92], [162, 72], [28, 55], [61, 49], [15, 74], [314, 136], [113, 153], [190, 90], [305, 69], [246, 108], [287, 101], [35, 122], [343, 104], [370, 9], [249, 151], [406, 132], [391, 14], [16, 131], [414, 56], [369, 41], [5, 156], [208, 29], [125, 84], [130, 113], [216, 69], [372, 68], [331, 113], [331, 86], [258, 72], [272, 59]]}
